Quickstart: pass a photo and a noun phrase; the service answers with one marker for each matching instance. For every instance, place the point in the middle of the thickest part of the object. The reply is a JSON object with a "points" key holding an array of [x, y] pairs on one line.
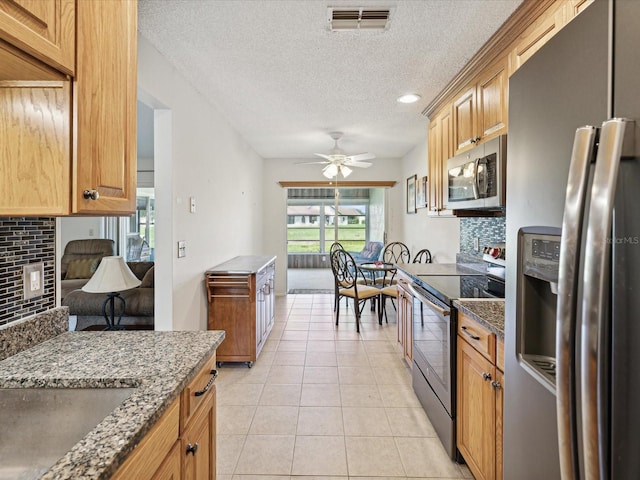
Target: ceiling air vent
{"points": [[358, 18]]}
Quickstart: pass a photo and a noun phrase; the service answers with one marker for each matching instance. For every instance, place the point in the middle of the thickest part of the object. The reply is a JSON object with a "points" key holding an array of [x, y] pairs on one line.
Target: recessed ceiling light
{"points": [[409, 98]]}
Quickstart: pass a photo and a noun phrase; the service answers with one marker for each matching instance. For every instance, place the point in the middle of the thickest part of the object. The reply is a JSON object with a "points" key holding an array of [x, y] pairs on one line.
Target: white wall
{"points": [[213, 163], [77, 228], [441, 235], [275, 202]]}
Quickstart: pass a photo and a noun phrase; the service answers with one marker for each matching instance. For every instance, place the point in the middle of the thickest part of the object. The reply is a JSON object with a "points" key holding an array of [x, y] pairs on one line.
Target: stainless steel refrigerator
{"points": [[581, 419]]}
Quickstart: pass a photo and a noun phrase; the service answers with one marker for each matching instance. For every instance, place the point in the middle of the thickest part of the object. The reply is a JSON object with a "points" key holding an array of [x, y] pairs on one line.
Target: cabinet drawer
{"points": [[197, 391], [478, 336]]}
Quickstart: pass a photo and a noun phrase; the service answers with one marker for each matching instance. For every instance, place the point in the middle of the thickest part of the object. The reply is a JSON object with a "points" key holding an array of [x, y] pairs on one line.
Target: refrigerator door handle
{"points": [[616, 141], [581, 157]]}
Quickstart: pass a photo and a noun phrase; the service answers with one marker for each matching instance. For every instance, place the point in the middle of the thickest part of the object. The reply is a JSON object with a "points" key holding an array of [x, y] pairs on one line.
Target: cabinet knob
{"points": [[91, 195], [496, 385], [192, 449], [486, 376]]}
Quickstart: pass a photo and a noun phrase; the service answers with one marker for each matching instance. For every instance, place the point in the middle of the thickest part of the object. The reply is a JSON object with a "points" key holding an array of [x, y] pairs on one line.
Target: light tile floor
{"points": [[325, 401]]}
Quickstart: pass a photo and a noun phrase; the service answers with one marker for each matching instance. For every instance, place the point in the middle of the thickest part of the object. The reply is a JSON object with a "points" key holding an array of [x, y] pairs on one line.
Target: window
{"points": [[312, 225]]}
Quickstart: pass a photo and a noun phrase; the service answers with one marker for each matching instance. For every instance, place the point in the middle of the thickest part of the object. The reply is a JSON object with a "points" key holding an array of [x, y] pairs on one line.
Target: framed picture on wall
{"points": [[411, 194], [421, 192]]}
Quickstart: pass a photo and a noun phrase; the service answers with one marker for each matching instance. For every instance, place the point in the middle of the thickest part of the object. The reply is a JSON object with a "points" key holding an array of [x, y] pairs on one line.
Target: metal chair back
{"points": [[423, 256], [396, 252]]}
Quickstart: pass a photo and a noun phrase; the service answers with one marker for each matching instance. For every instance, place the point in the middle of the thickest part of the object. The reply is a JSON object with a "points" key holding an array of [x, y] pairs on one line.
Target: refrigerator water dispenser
{"points": [[537, 290]]}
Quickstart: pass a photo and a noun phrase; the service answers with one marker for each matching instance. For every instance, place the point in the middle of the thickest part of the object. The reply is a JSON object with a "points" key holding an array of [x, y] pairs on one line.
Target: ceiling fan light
{"points": [[346, 171], [409, 98], [330, 171]]}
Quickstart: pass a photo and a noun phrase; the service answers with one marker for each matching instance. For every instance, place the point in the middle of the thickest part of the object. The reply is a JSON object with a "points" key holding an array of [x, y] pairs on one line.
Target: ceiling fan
{"points": [[337, 162]]}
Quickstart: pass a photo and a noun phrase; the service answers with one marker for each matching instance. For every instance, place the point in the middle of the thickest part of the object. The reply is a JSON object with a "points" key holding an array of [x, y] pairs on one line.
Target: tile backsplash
{"points": [[25, 240], [488, 230]]}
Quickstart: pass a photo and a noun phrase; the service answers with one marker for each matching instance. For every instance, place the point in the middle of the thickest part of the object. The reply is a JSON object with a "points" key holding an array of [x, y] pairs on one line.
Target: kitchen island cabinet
{"points": [[139, 438], [242, 303]]}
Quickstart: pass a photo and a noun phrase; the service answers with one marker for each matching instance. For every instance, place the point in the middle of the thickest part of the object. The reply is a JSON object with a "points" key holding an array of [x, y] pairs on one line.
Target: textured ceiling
{"points": [[284, 80]]}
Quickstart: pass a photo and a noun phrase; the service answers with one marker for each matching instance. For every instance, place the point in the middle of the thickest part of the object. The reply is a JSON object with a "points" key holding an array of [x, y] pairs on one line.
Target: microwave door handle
{"points": [[570, 242], [616, 141], [476, 193]]}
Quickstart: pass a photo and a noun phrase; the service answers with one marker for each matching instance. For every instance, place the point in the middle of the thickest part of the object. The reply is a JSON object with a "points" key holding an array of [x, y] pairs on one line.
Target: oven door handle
{"points": [[442, 311]]}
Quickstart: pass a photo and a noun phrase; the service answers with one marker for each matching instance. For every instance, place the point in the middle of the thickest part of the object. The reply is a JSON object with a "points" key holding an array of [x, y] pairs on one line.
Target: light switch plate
{"points": [[182, 248], [192, 204], [33, 280]]}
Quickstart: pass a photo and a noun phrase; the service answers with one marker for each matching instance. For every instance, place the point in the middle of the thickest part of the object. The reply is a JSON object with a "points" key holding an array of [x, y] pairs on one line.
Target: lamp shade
{"points": [[112, 275]]}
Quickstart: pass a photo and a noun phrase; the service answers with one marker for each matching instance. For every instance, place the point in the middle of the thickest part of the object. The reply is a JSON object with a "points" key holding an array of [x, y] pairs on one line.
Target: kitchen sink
{"points": [[40, 425]]}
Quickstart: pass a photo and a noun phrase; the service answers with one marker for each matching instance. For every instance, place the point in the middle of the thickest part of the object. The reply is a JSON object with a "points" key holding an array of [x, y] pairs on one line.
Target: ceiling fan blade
{"points": [[361, 156], [323, 156], [324, 162], [358, 164]]}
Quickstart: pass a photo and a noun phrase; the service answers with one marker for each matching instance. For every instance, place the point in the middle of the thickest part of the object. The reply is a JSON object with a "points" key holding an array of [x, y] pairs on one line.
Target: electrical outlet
{"points": [[476, 244], [182, 248], [33, 280]]}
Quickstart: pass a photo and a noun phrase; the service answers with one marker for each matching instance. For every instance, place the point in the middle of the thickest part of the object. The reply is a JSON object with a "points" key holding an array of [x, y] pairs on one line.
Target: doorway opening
{"points": [[317, 217]]}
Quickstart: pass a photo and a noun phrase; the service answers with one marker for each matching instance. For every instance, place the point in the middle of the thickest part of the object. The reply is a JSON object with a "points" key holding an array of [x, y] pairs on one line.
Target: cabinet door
{"points": [[198, 443], [465, 131], [434, 165], [493, 95], [105, 100], [499, 388], [43, 29], [35, 156], [440, 150], [170, 468], [476, 411], [408, 330], [536, 35]]}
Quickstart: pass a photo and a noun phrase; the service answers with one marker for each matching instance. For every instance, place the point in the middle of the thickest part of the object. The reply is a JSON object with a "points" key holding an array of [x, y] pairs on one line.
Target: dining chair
{"points": [[335, 246], [346, 273], [390, 291], [423, 256], [394, 252]]}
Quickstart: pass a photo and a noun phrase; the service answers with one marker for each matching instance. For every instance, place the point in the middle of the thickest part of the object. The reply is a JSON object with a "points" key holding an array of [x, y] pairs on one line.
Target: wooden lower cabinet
{"points": [[479, 409], [170, 468], [198, 443], [405, 319], [182, 444]]}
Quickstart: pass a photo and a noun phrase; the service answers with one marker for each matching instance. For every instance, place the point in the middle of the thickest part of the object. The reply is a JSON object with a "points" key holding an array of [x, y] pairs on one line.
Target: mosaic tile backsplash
{"points": [[488, 230], [24, 241]]}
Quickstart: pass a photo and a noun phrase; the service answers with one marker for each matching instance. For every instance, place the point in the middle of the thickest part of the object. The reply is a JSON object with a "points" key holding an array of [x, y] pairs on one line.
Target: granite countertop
{"points": [[243, 264], [159, 364], [489, 313]]}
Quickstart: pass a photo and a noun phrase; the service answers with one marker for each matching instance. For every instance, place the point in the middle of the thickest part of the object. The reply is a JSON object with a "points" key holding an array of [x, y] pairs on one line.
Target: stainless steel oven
{"points": [[434, 357]]}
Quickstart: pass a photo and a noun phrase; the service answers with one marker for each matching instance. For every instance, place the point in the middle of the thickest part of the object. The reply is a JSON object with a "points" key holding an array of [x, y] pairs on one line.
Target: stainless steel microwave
{"points": [[476, 178]]}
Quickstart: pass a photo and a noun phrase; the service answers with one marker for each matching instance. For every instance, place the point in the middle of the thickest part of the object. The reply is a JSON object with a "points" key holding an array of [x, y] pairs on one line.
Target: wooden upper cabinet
{"points": [[440, 150], [104, 157], [493, 98], [44, 29], [480, 111], [35, 158], [536, 35], [464, 120]]}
